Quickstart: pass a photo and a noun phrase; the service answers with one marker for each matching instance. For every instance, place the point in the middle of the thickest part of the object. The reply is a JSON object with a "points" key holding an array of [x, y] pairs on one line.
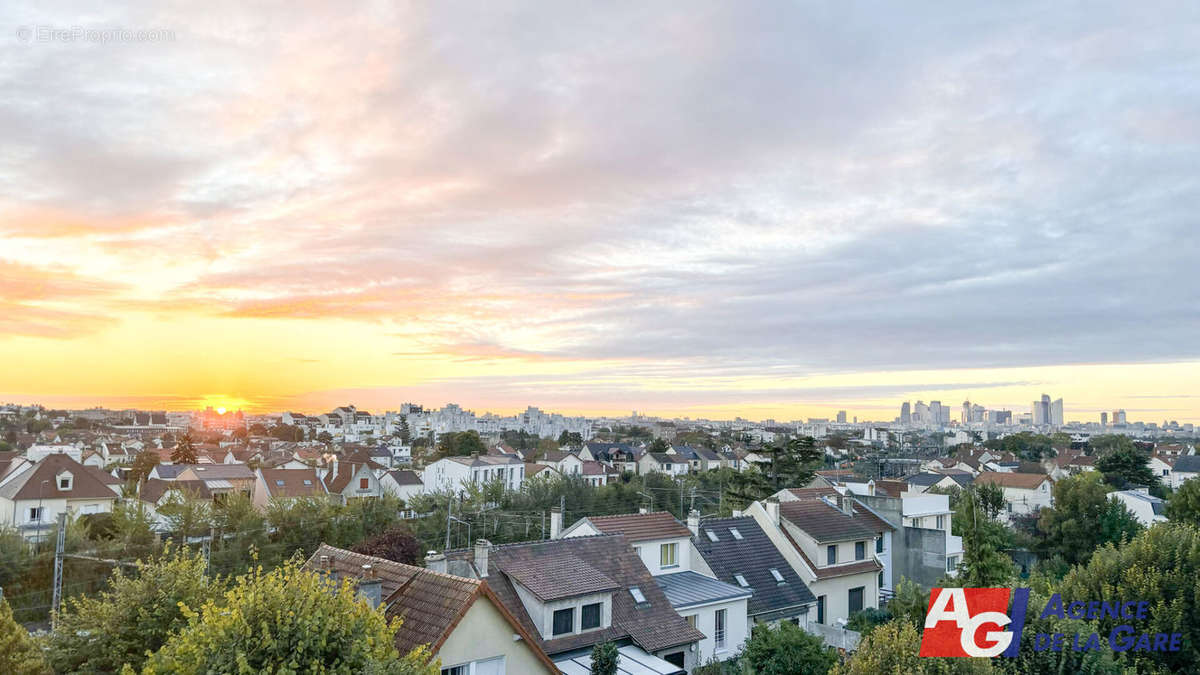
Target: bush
{"points": [[786, 650]]}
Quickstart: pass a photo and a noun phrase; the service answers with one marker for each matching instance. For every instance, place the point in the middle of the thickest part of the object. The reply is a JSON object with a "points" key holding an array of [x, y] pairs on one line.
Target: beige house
{"points": [[460, 619], [1024, 493], [33, 494]]}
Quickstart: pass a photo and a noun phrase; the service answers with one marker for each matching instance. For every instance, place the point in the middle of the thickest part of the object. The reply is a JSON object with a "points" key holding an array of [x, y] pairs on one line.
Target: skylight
{"points": [[279, 483], [637, 595], [712, 536], [741, 581], [736, 535], [775, 573]]}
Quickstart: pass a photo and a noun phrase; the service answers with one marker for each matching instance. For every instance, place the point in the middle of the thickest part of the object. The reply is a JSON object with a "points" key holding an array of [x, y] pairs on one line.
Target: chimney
{"points": [[1144, 490], [846, 504], [772, 508], [435, 561], [370, 588], [326, 564], [555, 522], [643, 510], [694, 522], [482, 546]]}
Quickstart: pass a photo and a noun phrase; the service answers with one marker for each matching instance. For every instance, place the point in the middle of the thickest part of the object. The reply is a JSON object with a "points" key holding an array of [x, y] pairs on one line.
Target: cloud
{"points": [[735, 188], [41, 302]]}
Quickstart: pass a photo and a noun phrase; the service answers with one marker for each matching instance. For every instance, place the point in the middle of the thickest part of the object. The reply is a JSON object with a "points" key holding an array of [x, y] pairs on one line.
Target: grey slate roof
{"points": [[560, 575], [690, 589], [753, 556], [825, 523], [1187, 464]]}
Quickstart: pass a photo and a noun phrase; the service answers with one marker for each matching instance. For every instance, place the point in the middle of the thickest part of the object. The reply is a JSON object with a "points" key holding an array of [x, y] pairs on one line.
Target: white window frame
{"points": [[720, 629], [672, 560]]}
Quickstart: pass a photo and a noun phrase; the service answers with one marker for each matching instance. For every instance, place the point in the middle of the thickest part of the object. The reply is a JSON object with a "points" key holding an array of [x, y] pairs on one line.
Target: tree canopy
{"points": [[1183, 506], [19, 652], [786, 649], [1124, 466], [1083, 518], [791, 464], [287, 621]]}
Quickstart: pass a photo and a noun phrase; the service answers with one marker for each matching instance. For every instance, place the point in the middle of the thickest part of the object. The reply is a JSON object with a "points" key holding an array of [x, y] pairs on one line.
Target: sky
{"points": [[739, 208]]}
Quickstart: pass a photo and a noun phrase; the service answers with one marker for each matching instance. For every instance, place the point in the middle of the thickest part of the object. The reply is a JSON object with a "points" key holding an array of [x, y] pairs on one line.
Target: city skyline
{"points": [[720, 213]]}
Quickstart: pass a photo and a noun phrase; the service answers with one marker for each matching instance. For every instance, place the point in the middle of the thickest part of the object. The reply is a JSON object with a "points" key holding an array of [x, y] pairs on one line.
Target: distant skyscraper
{"points": [[841, 417], [1056, 413], [966, 412], [905, 413], [920, 413], [1118, 418], [1040, 411], [1103, 419]]}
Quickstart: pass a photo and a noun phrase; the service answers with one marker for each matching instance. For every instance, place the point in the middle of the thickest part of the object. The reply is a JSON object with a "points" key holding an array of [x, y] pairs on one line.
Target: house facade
{"points": [[34, 494]]}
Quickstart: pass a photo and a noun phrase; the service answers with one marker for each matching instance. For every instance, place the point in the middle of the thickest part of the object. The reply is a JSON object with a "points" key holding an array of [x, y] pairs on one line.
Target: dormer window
{"points": [[564, 621], [65, 480]]}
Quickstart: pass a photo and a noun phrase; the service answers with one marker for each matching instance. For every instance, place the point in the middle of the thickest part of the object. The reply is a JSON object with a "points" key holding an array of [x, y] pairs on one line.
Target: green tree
{"points": [[893, 649], [786, 650], [604, 659], [325, 437], [19, 652], [866, 620], [1125, 466], [188, 515], [143, 464], [460, 444], [1026, 445], [184, 451], [288, 621], [791, 464], [133, 616], [991, 499], [984, 563], [1184, 504], [1159, 566], [1074, 526], [910, 602], [404, 433]]}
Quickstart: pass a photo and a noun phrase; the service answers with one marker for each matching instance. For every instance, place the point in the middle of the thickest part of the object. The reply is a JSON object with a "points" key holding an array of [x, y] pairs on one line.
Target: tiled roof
{"points": [[153, 489], [291, 482], [559, 575], [652, 625], [753, 556], [890, 488], [812, 493], [84, 485], [1025, 481], [825, 523], [222, 471], [487, 460], [834, 571], [641, 526], [689, 589]]}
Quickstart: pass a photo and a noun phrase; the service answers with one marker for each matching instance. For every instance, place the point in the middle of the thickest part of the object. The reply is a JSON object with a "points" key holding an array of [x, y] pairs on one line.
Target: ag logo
{"points": [[970, 622]]}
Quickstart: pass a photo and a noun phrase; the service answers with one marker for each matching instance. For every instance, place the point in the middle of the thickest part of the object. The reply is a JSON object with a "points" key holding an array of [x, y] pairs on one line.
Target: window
{"points": [[855, 598], [589, 616], [691, 619], [564, 621], [307, 482], [278, 483], [830, 555], [777, 576], [719, 631], [364, 483], [941, 522], [668, 555], [712, 536], [951, 563], [881, 580], [35, 513], [820, 609], [464, 669], [741, 580], [879, 544], [860, 550], [736, 535], [64, 483], [637, 595]]}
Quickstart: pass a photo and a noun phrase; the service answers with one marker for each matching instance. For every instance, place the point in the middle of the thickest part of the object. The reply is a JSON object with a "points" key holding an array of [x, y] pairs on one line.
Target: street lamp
{"points": [[650, 497]]}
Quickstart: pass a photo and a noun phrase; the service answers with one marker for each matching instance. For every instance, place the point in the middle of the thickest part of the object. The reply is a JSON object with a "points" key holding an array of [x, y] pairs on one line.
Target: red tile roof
{"points": [[641, 526]]}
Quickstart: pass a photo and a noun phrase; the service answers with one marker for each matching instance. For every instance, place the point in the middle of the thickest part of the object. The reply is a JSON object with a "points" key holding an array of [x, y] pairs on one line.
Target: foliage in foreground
{"points": [[786, 650], [892, 649], [19, 653], [134, 616], [287, 621]]}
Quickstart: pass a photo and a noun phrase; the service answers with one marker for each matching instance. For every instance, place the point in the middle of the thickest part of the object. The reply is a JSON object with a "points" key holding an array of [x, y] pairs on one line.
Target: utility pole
{"points": [[562, 509], [449, 507], [206, 549], [58, 561]]}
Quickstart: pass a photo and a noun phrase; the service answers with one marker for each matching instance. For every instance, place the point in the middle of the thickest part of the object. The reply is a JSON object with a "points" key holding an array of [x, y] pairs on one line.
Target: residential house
{"points": [[1186, 468], [1163, 468], [347, 480], [455, 473], [832, 547], [738, 551], [402, 483], [573, 593], [276, 484], [714, 607], [33, 494], [533, 470], [460, 619], [565, 463], [662, 462], [1144, 506], [621, 456], [220, 479], [949, 480], [922, 547], [598, 474], [1024, 493]]}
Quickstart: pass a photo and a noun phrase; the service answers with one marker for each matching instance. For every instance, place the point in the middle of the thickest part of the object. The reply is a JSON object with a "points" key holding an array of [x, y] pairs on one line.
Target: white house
{"points": [[455, 473], [670, 464], [1147, 508], [1024, 493], [402, 483], [32, 496]]}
